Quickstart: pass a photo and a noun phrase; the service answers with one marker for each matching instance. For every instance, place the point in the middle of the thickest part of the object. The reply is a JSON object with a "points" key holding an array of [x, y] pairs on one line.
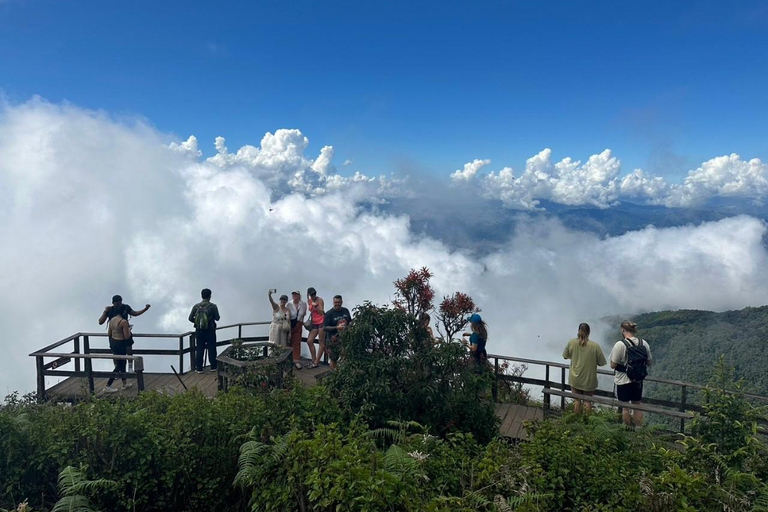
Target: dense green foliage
{"points": [[165, 453], [405, 424], [393, 370]]}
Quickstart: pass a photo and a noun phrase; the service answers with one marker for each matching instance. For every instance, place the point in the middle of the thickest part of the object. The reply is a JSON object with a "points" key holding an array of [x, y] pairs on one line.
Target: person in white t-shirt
{"points": [[626, 390], [298, 309]]}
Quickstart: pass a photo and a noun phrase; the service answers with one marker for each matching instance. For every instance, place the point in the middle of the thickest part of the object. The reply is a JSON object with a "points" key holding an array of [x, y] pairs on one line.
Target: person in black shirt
{"points": [[205, 312], [119, 309], [336, 319]]}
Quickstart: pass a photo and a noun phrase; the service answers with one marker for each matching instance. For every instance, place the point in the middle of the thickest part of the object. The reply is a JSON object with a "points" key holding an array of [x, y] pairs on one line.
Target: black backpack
{"points": [[637, 361]]}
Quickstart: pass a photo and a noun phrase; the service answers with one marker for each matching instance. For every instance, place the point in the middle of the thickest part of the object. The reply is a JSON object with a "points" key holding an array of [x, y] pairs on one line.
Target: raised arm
{"points": [[271, 301], [104, 314], [139, 312], [192, 313]]}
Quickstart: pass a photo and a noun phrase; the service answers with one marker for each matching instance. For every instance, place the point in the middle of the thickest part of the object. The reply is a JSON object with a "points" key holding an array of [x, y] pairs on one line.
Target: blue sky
{"points": [[412, 85]]}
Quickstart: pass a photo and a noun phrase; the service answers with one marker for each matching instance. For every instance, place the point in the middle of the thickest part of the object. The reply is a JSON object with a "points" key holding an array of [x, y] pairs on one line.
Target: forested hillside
{"points": [[686, 344]]}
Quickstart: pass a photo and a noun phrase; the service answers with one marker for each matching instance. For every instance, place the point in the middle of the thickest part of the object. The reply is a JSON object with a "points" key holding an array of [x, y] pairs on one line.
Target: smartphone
{"points": [[273, 290]]}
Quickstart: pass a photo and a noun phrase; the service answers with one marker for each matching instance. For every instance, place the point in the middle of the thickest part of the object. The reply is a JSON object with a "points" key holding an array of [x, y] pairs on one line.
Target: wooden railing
{"points": [[77, 349], [555, 377]]}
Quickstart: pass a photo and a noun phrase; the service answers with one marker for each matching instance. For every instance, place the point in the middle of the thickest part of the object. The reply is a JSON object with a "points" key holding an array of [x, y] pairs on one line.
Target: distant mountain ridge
{"points": [[485, 225]]}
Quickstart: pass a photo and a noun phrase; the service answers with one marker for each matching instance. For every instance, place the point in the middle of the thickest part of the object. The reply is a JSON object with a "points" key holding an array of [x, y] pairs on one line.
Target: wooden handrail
{"points": [[613, 402], [600, 371]]}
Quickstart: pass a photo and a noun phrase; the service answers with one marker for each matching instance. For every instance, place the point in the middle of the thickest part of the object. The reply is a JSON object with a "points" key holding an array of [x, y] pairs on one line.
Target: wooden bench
{"points": [[613, 402]]}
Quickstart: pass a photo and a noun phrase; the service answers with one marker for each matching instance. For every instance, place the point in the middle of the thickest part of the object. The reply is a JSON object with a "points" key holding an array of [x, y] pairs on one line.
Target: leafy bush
{"points": [[165, 453], [391, 370]]}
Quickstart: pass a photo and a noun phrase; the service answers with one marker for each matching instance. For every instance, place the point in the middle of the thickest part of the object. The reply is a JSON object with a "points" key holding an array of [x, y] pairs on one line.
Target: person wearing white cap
{"points": [[298, 310]]}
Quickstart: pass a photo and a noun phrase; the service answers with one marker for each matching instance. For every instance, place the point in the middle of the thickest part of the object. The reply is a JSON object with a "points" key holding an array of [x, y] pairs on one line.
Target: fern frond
{"points": [[531, 497], [384, 433], [77, 503], [251, 453], [396, 460], [761, 502]]}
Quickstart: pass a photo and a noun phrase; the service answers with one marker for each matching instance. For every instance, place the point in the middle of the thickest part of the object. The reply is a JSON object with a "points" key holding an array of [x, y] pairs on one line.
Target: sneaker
{"points": [[198, 371], [214, 369], [110, 389], [127, 385]]}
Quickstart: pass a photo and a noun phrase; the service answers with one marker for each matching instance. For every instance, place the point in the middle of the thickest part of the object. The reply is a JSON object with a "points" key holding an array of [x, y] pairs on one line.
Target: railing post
{"points": [[138, 367], [239, 331], [495, 390], [77, 351], [546, 386], [181, 354], [683, 398], [88, 363], [562, 388], [192, 350], [40, 378]]}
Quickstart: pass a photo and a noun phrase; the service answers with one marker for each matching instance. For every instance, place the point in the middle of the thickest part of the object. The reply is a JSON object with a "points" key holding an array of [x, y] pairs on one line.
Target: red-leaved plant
{"points": [[414, 293], [453, 313]]}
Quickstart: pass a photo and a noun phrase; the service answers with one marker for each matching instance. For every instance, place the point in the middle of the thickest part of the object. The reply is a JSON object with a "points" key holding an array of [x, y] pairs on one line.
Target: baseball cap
{"points": [[296, 293], [475, 319]]}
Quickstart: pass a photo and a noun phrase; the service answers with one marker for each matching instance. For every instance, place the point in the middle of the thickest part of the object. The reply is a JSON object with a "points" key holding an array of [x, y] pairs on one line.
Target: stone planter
{"points": [[261, 365]]}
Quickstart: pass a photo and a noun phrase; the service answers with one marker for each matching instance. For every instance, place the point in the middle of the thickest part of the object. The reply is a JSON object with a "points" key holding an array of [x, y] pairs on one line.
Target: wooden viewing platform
{"points": [[72, 359], [74, 389]]}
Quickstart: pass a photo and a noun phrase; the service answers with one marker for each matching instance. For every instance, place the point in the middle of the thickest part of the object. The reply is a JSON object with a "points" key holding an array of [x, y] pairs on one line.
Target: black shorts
{"points": [[632, 392]]}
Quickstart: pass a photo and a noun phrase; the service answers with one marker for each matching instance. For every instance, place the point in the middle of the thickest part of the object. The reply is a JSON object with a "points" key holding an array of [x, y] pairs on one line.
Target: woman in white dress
{"points": [[281, 323]]}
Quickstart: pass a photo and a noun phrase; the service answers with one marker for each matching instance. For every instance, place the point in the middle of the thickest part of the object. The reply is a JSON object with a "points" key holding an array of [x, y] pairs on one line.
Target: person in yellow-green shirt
{"points": [[585, 356]]}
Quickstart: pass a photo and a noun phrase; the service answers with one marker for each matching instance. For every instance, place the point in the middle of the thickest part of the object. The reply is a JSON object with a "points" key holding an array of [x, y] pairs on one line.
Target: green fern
{"points": [[396, 460], [76, 503], [73, 487]]}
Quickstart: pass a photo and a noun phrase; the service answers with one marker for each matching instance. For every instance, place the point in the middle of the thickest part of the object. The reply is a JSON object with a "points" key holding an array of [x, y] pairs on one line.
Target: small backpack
{"points": [[637, 361], [202, 320]]}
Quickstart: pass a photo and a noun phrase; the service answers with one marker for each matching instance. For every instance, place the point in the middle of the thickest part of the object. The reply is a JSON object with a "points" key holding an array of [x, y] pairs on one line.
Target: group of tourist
{"points": [[290, 317], [629, 357]]}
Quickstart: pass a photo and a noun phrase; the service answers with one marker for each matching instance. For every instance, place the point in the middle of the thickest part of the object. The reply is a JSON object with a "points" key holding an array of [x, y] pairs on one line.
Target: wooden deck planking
{"points": [[514, 416], [76, 388], [509, 420], [511, 416]]}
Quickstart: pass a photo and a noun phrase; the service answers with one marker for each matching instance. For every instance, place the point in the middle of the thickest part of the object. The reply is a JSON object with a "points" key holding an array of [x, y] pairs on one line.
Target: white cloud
{"points": [[566, 182], [598, 182], [93, 207], [728, 176], [188, 147], [469, 171]]}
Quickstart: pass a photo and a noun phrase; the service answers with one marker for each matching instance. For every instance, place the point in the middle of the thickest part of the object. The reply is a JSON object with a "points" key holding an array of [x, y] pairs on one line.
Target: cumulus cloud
{"points": [[728, 176], [469, 171], [93, 206], [598, 183], [280, 162]]}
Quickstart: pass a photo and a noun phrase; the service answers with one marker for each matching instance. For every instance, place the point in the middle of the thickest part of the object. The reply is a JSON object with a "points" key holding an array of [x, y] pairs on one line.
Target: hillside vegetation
{"points": [[687, 344], [404, 424]]}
